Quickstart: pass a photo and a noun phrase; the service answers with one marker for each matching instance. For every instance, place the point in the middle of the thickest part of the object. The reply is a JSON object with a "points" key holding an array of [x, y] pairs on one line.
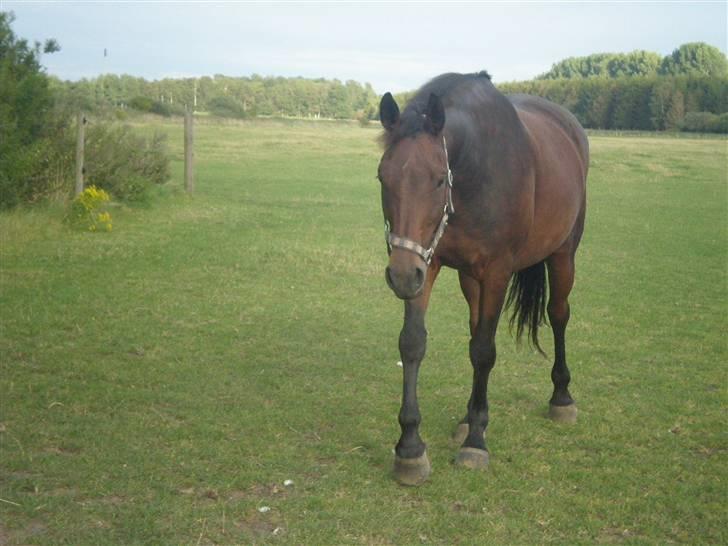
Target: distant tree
{"points": [[675, 111], [605, 65], [667, 105], [695, 59], [636, 63]]}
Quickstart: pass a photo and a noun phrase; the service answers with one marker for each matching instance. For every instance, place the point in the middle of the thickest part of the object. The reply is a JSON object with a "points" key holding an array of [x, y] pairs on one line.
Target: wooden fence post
{"points": [[80, 140], [189, 153]]}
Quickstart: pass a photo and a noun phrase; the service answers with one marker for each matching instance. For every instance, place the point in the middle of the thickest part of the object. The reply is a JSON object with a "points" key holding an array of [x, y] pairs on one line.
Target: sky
{"points": [[394, 46]]}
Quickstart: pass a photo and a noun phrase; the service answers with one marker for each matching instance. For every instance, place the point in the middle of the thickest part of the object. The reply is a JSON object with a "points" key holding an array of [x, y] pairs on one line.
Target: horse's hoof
{"points": [[461, 432], [563, 414], [412, 471], [472, 457]]}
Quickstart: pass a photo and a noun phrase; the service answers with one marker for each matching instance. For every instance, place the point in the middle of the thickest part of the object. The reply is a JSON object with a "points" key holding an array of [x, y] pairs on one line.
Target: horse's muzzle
{"points": [[406, 284]]}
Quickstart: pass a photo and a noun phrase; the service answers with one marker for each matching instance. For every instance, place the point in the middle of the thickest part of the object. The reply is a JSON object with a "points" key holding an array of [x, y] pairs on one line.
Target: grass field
{"points": [[159, 383]]}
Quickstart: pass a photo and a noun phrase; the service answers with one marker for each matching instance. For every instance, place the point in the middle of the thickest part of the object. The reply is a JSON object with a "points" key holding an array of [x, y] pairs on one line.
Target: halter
{"points": [[408, 244]]}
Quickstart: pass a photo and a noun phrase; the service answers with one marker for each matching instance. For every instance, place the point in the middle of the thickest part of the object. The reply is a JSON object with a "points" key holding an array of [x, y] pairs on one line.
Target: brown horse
{"points": [[494, 187]]}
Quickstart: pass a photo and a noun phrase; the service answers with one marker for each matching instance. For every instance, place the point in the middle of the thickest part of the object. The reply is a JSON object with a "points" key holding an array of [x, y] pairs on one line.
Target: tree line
{"points": [[645, 103], [641, 90], [226, 96], [691, 59]]}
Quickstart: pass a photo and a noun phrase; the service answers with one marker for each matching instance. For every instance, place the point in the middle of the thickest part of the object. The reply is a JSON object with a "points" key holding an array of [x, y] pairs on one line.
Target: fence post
{"points": [[189, 152], [80, 140]]}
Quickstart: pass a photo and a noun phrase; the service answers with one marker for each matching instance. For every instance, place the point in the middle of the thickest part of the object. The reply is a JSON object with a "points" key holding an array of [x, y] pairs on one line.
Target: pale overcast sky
{"points": [[393, 46]]}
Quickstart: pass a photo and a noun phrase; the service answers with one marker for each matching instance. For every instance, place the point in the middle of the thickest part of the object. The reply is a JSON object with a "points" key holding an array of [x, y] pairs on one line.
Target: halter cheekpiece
{"points": [[408, 244]]}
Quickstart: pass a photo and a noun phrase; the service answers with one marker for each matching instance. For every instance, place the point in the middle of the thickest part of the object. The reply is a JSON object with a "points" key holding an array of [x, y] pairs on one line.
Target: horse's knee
{"points": [[412, 342], [482, 352]]}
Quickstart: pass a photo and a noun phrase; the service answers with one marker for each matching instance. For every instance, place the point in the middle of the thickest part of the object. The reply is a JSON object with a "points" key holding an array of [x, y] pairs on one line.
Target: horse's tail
{"points": [[528, 293]]}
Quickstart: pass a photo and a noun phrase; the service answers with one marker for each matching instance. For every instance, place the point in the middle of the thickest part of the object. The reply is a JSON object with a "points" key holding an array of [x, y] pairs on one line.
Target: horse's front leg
{"points": [[411, 465], [473, 453]]}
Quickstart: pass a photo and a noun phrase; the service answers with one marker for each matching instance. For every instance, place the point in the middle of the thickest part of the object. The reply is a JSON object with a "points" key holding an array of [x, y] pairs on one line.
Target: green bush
{"points": [[134, 188], [123, 163], [145, 104], [26, 116], [161, 109], [705, 122], [720, 124], [226, 107], [697, 122]]}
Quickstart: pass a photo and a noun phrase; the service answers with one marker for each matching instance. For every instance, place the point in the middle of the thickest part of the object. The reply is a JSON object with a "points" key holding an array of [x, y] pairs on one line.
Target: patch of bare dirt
{"points": [[258, 491], [256, 525], [63, 450]]}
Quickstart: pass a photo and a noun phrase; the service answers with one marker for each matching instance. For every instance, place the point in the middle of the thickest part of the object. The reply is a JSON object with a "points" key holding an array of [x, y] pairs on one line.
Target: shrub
{"points": [[226, 107], [720, 124], [705, 122], [88, 211], [162, 109], [26, 122], [123, 163], [145, 104], [697, 122]]}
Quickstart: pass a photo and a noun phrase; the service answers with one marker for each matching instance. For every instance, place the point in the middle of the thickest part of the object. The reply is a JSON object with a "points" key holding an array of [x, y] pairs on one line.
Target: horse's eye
{"points": [[441, 182]]}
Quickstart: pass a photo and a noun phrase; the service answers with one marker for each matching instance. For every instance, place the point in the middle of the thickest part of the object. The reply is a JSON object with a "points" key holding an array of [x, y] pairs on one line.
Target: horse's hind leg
{"points": [[561, 280]]}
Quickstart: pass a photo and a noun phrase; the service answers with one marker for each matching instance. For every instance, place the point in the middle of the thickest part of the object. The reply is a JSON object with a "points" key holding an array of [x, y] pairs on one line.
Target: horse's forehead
{"points": [[412, 154]]}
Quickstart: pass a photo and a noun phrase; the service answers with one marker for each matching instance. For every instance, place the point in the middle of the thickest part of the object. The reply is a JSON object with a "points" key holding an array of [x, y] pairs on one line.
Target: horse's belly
{"points": [[559, 194]]}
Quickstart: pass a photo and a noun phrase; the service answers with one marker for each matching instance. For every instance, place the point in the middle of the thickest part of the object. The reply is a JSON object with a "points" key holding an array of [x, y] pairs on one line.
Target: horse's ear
{"points": [[388, 111], [435, 115]]}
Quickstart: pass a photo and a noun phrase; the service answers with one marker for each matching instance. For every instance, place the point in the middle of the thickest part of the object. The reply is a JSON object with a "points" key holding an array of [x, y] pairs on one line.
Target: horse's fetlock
{"points": [[409, 418], [560, 376]]}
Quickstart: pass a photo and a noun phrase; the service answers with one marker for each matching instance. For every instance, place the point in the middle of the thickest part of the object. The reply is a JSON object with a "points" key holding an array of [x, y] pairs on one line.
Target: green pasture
{"points": [[159, 383]]}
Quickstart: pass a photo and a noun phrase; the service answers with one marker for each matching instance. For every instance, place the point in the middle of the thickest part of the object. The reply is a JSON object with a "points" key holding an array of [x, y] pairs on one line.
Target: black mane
{"points": [[412, 118]]}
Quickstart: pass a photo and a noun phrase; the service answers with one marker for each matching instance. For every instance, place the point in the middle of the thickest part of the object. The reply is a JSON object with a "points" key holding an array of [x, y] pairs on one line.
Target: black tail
{"points": [[528, 292]]}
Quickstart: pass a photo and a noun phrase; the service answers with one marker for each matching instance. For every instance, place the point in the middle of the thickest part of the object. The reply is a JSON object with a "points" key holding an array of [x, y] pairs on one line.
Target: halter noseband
{"points": [[408, 244]]}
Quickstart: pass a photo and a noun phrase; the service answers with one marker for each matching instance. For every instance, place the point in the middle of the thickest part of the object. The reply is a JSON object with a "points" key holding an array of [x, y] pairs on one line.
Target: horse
{"points": [[493, 186]]}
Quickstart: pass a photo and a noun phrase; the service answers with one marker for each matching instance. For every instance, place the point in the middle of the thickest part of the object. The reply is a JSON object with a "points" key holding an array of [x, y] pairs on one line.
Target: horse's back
{"points": [[551, 113]]}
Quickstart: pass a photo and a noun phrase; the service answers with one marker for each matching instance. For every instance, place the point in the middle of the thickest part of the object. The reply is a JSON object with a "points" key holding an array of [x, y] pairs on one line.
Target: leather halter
{"points": [[408, 244]]}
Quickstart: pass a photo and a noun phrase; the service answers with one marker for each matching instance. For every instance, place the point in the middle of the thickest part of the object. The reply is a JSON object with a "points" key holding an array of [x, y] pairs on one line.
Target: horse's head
{"points": [[416, 184]]}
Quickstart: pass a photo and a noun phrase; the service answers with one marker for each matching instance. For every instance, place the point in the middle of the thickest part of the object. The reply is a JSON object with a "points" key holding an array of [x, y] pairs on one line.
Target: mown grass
{"points": [[160, 382]]}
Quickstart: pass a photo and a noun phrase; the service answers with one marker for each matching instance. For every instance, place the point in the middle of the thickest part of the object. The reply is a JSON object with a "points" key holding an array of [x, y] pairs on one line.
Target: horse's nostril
{"points": [[420, 276], [388, 277]]}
